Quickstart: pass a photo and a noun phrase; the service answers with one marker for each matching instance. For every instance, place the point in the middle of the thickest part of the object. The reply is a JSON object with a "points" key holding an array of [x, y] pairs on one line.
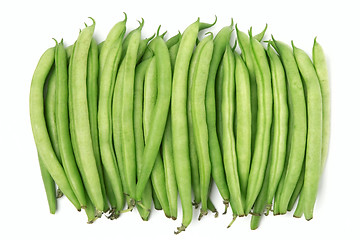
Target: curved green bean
{"points": [[38, 124], [280, 123], [50, 118], [126, 115], [62, 125], [313, 160], [243, 120], [140, 71], [82, 135], [297, 125], [194, 161], [217, 166], [179, 121], [106, 138], [158, 115], [198, 116], [228, 138], [319, 61], [92, 84], [264, 121]]}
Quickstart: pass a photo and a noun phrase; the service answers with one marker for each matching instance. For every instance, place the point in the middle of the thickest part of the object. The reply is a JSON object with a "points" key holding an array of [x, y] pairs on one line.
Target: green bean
{"points": [[280, 124], [50, 118], [49, 186], [264, 121], [82, 135], [244, 44], [123, 113], [217, 166], [38, 124], [313, 160], [107, 127], [157, 173], [243, 120], [179, 121], [198, 115], [139, 134], [92, 85], [167, 148], [228, 138], [62, 125], [319, 61], [297, 125], [194, 161], [154, 125], [113, 36]]}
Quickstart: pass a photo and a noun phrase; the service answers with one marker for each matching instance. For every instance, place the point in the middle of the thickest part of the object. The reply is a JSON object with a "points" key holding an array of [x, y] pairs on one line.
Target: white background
{"points": [[26, 29]]}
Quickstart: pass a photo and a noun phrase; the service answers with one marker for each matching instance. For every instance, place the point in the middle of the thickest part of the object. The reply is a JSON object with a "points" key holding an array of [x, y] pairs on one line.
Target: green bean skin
{"points": [[107, 129], [116, 32], [194, 161], [158, 115], [198, 113], [62, 125], [297, 124], [228, 138], [49, 186], [313, 160], [217, 166], [280, 123], [243, 120], [50, 118], [126, 120], [82, 133], [179, 121], [264, 121], [38, 124], [92, 84], [319, 61], [140, 71]]}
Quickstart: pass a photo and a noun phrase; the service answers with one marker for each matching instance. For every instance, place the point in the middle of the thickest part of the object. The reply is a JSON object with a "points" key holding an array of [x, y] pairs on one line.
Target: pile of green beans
{"points": [[133, 122]]}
